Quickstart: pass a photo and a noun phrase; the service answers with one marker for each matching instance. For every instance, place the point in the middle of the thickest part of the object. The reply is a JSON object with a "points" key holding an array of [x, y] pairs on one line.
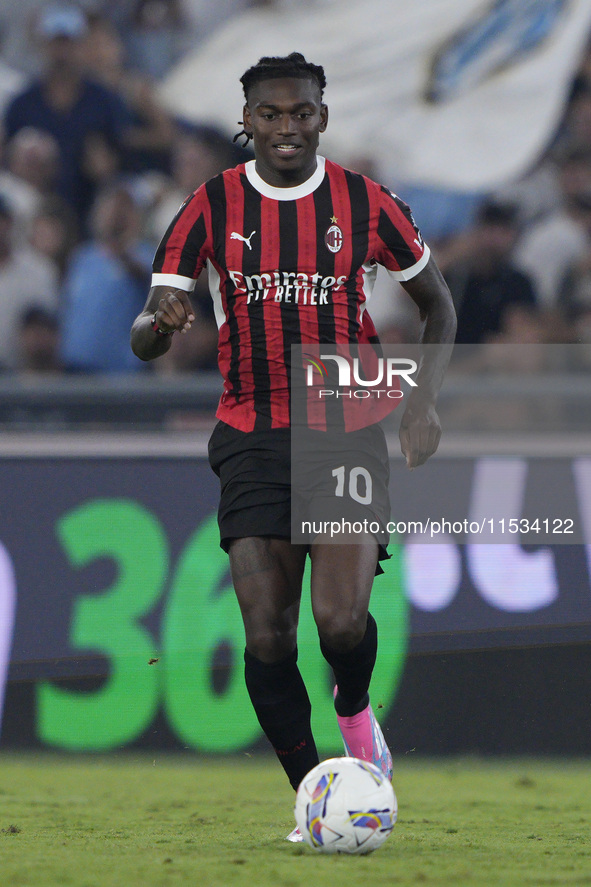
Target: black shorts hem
{"points": [[226, 541], [254, 469]]}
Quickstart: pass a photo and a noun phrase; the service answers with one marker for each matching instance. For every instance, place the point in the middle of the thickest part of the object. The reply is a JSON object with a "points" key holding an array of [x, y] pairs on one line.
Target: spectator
{"points": [[156, 36], [575, 299], [148, 140], [27, 279], [203, 17], [550, 247], [576, 125], [105, 288], [22, 199], [87, 120], [32, 162], [53, 231], [33, 156], [483, 281], [11, 82], [198, 154], [38, 342], [558, 174]]}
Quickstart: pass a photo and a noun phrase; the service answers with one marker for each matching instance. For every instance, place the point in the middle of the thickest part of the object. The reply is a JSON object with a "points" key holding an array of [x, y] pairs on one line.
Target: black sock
{"points": [[282, 705], [353, 670]]}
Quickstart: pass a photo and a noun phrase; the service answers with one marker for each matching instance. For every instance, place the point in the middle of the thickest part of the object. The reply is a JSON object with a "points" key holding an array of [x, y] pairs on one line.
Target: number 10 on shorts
{"points": [[359, 477]]}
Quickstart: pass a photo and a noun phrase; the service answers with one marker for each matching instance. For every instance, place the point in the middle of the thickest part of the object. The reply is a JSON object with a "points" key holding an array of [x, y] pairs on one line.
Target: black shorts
{"points": [[255, 472]]}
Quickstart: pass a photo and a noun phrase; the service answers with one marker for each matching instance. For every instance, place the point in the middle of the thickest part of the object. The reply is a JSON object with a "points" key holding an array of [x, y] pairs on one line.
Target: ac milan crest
{"points": [[334, 238]]}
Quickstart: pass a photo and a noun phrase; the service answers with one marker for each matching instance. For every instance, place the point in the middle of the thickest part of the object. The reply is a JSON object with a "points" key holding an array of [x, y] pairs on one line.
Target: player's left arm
{"points": [[420, 429]]}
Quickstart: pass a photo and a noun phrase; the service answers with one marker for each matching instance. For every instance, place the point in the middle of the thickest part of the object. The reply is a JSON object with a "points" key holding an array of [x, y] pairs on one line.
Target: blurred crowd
{"points": [[518, 260], [93, 167], [92, 170]]}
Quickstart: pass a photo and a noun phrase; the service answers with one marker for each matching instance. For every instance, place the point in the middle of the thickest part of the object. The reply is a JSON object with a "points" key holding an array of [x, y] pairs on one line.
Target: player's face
{"points": [[285, 118]]}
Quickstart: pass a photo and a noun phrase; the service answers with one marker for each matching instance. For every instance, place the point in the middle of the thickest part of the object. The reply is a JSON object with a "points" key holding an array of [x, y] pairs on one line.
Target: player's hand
{"points": [[175, 312], [420, 430]]}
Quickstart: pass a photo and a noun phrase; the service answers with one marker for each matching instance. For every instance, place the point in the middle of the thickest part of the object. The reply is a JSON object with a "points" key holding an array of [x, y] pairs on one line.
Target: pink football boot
{"points": [[363, 738]]}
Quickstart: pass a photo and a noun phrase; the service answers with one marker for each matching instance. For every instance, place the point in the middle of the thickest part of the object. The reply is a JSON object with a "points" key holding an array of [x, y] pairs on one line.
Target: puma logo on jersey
{"points": [[235, 236]]}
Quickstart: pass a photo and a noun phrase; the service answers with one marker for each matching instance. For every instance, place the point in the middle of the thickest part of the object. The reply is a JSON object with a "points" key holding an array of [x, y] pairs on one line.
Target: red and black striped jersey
{"points": [[286, 266]]}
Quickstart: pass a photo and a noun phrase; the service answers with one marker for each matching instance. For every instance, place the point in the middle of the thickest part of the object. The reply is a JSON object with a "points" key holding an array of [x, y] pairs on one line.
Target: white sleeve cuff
{"points": [[176, 280], [409, 273]]}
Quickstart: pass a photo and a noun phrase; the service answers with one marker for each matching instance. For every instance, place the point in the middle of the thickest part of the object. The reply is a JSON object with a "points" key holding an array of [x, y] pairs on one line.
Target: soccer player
{"points": [[291, 242]]}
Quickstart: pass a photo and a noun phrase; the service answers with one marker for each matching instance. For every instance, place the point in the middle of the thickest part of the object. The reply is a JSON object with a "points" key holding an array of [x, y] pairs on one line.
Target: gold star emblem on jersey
{"points": [[334, 220]]}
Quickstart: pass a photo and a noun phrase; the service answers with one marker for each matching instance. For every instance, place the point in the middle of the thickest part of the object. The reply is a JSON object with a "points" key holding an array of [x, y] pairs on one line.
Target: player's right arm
{"points": [[171, 310], [186, 246]]}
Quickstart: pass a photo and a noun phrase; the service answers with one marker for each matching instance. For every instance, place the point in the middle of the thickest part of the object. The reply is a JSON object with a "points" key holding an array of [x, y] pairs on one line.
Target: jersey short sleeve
{"points": [[400, 245], [186, 246]]}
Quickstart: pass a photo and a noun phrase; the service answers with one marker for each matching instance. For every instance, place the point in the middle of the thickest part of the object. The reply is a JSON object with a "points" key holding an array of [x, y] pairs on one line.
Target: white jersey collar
{"points": [[294, 193]]}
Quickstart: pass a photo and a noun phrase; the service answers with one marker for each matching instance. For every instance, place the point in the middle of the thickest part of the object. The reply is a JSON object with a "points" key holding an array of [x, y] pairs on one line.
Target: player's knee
{"points": [[340, 629], [271, 644]]}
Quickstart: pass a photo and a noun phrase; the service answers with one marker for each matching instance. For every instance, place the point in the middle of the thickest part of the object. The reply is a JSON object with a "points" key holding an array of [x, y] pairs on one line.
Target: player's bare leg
{"points": [[342, 578], [267, 575]]}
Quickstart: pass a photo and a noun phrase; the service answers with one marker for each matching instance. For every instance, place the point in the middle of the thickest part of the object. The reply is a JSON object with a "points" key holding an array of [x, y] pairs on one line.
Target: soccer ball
{"points": [[345, 805]]}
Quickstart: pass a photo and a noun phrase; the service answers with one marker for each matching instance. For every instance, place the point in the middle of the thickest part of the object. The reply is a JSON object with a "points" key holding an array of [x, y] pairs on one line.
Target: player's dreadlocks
{"points": [[276, 67]]}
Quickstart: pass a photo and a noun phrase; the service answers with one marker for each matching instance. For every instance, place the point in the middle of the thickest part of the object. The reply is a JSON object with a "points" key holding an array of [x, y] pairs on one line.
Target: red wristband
{"points": [[156, 328]]}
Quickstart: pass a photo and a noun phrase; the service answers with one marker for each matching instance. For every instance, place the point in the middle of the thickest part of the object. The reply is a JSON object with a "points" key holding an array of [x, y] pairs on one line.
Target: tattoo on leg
{"points": [[250, 559]]}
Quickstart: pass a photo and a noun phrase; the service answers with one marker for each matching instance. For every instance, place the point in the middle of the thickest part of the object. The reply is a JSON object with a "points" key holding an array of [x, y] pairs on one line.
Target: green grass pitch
{"points": [[162, 821]]}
